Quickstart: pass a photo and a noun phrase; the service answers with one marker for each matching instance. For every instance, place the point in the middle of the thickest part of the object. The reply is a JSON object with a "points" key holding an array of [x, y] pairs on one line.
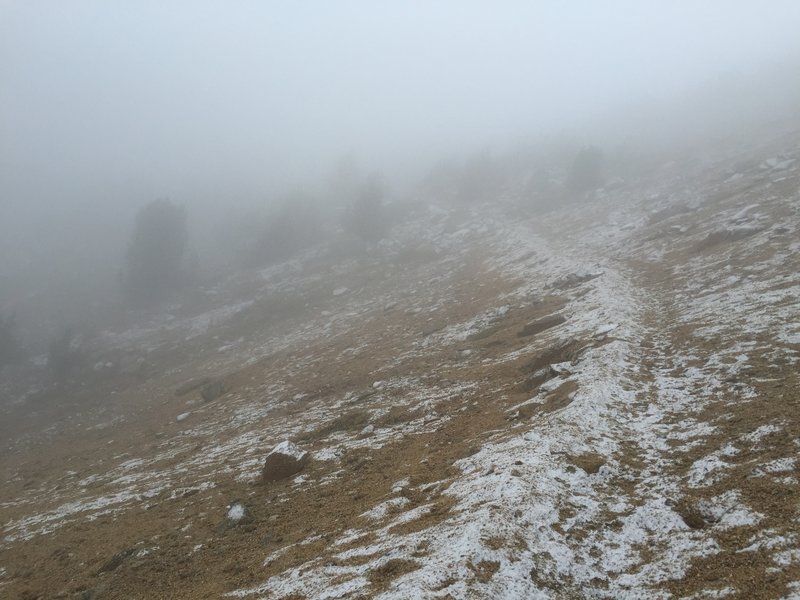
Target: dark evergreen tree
{"points": [[156, 252]]}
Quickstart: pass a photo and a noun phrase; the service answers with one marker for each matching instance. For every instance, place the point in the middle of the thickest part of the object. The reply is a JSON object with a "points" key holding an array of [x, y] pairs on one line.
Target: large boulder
{"points": [[285, 460]]}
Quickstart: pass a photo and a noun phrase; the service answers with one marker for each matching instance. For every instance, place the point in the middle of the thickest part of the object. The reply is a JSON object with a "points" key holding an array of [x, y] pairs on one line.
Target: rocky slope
{"points": [[597, 401]]}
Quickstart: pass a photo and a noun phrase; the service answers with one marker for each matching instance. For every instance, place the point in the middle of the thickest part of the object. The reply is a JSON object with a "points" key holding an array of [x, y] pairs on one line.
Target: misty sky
{"points": [[122, 102]]}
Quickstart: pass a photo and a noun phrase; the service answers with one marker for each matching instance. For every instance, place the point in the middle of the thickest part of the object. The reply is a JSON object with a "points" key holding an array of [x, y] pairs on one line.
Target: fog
{"points": [[226, 107]]}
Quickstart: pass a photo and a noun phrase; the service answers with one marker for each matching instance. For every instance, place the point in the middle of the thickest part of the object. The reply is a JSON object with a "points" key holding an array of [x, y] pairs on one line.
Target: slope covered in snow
{"points": [[596, 401]]}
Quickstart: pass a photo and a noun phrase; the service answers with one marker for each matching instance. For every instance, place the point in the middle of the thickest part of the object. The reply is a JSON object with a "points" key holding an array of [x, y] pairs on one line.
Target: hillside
{"points": [[591, 401]]}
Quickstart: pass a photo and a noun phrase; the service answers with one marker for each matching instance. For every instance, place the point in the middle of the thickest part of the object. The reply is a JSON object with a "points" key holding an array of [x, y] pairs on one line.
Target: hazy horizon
{"points": [[110, 102]]}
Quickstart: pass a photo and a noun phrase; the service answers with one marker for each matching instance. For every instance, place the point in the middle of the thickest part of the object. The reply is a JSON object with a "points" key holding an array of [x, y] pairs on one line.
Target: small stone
{"points": [[182, 417], [236, 512], [238, 515]]}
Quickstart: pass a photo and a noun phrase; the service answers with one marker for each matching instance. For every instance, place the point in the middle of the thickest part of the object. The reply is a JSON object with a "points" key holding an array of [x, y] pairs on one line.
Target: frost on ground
{"points": [[597, 401]]}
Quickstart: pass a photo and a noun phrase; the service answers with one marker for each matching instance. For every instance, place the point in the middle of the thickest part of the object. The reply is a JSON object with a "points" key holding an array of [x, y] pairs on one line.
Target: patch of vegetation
{"points": [[381, 576], [589, 462], [485, 570], [354, 420], [691, 516], [398, 414]]}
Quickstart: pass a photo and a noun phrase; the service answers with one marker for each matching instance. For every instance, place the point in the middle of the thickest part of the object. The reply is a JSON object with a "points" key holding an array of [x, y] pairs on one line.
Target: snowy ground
{"points": [[643, 446]]}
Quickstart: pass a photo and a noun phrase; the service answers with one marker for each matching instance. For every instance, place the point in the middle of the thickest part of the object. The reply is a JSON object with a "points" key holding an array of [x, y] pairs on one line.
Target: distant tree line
{"points": [[156, 266]]}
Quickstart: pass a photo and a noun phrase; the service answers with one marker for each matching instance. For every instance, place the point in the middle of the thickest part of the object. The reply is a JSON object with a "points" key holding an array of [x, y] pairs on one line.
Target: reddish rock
{"points": [[285, 459]]}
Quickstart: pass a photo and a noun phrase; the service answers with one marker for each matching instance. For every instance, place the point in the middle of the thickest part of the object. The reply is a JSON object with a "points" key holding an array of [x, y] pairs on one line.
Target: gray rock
{"points": [[212, 390], [192, 385], [238, 515]]}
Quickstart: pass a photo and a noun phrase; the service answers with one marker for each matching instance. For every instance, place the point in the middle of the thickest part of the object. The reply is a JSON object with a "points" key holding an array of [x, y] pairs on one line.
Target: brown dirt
{"points": [[147, 552]]}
